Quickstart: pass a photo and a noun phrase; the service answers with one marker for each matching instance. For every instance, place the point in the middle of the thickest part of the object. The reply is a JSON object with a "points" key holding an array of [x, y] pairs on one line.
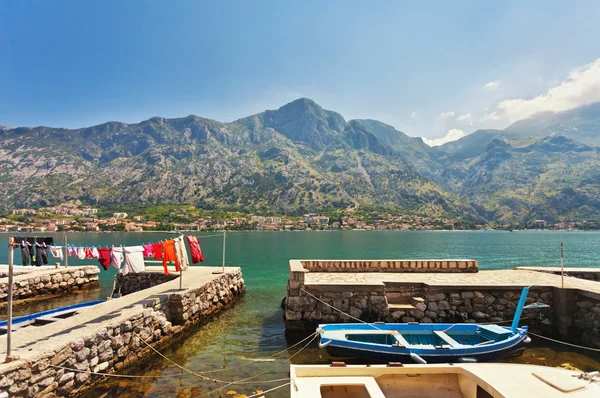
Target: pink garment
{"points": [[148, 251], [116, 257]]}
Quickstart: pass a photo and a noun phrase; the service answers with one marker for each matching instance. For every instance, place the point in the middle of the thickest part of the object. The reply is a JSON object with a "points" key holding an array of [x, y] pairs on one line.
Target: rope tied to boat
{"points": [[340, 311], [564, 342]]}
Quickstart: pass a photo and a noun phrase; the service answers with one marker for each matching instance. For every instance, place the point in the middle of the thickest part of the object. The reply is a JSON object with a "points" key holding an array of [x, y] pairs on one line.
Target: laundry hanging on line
{"points": [[33, 249]]}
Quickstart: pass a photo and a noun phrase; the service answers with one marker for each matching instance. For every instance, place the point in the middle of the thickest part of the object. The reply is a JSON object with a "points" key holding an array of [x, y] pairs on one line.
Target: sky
{"points": [[435, 69]]}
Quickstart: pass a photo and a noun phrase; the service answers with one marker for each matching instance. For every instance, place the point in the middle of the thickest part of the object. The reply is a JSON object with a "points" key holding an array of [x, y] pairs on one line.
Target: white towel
{"points": [[134, 259], [95, 253], [56, 252], [181, 253]]}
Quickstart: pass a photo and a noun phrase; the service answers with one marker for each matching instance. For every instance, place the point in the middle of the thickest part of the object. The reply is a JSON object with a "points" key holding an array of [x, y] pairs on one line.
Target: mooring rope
{"points": [[260, 394], [564, 342], [340, 311], [117, 375], [313, 335]]}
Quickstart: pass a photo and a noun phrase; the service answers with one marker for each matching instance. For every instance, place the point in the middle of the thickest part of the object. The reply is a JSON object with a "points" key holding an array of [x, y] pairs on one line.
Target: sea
{"points": [[243, 344]]}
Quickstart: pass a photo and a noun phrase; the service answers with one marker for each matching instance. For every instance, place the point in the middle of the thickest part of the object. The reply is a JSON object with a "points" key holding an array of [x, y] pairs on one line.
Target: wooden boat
{"points": [[45, 317], [463, 380], [426, 342]]}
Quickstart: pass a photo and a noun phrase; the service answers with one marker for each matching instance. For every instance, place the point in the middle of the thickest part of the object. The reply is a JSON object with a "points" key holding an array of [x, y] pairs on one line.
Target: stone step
{"points": [[403, 307], [416, 300]]}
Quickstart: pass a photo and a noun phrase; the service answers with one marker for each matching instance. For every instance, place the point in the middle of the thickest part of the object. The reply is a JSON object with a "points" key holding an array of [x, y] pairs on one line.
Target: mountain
{"points": [[295, 159], [302, 158], [413, 149]]}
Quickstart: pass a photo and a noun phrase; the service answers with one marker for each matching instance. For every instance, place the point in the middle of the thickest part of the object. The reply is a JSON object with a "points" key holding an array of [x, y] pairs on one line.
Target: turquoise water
{"points": [[254, 329]]}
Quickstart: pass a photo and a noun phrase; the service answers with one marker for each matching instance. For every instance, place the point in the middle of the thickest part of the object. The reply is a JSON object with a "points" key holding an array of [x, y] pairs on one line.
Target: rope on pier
{"points": [[564, 342], [340, 311]]}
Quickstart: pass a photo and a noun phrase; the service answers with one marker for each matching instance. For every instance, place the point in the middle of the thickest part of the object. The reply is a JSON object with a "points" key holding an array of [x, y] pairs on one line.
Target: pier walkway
{"points": [[57, 357], [499, 279]]}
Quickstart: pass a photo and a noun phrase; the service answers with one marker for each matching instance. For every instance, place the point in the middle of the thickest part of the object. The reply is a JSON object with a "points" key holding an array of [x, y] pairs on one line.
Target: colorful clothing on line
{"points": [[95, 253], [104, 257], [169, 255], [88, 253], [148, 251], [158, 252], [116, 257], [72, 251], [81, 253], [134, 259], [195, 249]]}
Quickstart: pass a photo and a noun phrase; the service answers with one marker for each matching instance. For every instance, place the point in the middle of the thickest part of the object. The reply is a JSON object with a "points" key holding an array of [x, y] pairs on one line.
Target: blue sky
{"points": [[427, 68]]}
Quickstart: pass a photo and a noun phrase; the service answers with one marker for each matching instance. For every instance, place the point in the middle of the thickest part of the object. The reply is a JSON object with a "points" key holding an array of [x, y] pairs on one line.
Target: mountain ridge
{"points": [[301, 157]]}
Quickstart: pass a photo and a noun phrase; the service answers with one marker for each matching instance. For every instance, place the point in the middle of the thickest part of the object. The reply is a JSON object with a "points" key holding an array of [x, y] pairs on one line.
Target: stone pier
{"points": [[56, 359], [39, 282], [425, 291]]}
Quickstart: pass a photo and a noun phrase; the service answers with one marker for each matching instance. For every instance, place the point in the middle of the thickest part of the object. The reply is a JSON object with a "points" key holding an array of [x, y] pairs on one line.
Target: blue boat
{"points": [[426, 342], [45, 317]]}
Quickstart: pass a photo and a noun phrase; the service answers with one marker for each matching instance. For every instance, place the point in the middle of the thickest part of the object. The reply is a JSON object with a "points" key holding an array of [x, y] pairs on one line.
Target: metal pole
{"points": [[224, 238], [181, 265], [66, 253], [10, 298], [562, 265]]}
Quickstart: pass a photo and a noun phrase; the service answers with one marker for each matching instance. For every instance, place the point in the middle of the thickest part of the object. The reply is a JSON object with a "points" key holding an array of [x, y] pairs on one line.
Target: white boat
{"points": [[464, 380]]}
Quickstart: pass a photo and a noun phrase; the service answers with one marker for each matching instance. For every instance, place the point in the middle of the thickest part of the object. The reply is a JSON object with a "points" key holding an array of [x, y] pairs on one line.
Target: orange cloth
{"points": [[169, 255]]}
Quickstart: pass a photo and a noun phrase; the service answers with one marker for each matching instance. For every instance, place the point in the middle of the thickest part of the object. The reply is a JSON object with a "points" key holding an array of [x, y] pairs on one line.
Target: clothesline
{"points": [[171, 251]]}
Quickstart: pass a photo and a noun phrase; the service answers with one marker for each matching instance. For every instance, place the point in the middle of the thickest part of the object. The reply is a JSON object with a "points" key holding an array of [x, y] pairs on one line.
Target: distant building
{"points": [[539, 223], [89, 211], [119, 215], [23, 212]]}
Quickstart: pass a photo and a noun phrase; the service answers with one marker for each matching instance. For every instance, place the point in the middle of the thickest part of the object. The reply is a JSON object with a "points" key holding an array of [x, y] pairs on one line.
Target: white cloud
{"points": [[492, 85], [581, 87], [452, 135], [467, 118], [447, 114], [413, 115]]}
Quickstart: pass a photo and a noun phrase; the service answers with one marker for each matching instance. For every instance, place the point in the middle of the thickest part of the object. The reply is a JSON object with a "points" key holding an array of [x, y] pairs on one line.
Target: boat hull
{"points": [[383, 357], [422, 342]]}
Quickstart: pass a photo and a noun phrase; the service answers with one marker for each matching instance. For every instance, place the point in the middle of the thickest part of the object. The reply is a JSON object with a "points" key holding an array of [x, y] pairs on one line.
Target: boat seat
{"points": [[451, 342], [401, 340], [495, 331]]}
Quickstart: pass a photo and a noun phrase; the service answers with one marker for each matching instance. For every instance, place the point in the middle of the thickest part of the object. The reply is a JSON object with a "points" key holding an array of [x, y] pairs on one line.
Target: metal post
{"points": [[9, 298], [66, 253], [181, 266], [224, 238], [223, 264], [562, 265]]}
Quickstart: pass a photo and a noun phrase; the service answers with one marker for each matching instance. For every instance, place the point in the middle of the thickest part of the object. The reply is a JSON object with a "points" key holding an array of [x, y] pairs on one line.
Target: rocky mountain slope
{"points": [[292, 160], [302, 158]]}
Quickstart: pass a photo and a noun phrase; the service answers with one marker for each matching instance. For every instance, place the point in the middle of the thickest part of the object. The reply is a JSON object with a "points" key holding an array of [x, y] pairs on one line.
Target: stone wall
{"points": [[202, 302], [134, 282], [440, 306], [586, 320], [51, 282], [109, 350], [461, 265], [113, 347]]}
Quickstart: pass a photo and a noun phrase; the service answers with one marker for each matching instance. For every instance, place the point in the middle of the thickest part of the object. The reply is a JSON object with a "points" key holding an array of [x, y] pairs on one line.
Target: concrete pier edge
{"points": [[107, 338]]}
